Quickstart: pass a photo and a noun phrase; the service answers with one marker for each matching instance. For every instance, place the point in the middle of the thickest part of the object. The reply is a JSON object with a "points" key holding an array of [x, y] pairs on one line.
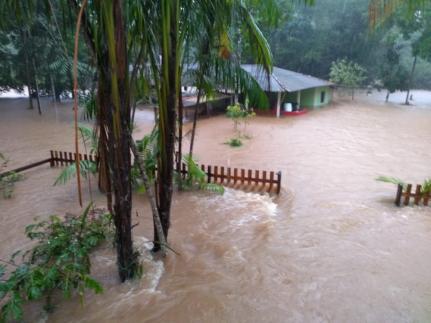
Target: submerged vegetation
{"points": [[7, 183], [196, 179], [59, 260], [425, 187], [234, 142], [240, 116], [8, 180]]}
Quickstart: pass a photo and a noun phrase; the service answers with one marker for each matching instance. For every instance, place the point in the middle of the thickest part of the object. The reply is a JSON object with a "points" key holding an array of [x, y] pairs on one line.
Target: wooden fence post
{"points": [[209, 174], [418, 194], [278, 182], [51, 162], [271, 180], [407, 196], [399, 195]]}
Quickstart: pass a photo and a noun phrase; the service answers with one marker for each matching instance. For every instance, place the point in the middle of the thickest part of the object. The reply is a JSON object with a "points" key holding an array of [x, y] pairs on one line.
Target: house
{"points": [[291, 92]]}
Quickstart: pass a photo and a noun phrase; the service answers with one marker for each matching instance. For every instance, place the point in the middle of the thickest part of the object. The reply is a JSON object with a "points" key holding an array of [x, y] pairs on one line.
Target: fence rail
{"points": [[408, 195], [268, 181]]}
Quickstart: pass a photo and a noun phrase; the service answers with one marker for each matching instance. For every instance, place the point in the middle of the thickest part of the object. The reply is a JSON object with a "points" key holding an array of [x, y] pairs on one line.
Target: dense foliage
{"points": [[312, 37], [347, 74], [59, 260]]}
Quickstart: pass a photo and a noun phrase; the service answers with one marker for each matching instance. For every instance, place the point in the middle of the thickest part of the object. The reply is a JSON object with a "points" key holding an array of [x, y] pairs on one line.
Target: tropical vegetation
{"points": [[58, 261], [112, 54]]}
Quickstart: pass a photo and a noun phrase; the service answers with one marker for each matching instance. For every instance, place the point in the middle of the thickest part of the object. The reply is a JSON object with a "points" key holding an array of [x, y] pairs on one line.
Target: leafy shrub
{"points": [[86, 167], [60, 260], [197, 179], [234, 142], [7, 184], [148, 151], [239, 115]]}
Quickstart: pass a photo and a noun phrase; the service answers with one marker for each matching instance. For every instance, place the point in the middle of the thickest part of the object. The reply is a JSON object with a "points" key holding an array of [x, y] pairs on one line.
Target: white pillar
{"points": [[278, 104], [298, 99]]}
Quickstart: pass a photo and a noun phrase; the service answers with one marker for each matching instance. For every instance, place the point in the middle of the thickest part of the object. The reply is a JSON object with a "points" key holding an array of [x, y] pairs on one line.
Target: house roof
{"points": [[282, 80]]}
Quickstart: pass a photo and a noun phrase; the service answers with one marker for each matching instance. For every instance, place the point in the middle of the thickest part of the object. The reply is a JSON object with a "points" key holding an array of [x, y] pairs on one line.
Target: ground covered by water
{"points": [[331, 248]]}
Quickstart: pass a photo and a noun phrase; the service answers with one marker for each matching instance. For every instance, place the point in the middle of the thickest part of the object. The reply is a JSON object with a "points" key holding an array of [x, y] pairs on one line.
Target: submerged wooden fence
{"points": [[267, 181], [408, 195], [64, 158]]}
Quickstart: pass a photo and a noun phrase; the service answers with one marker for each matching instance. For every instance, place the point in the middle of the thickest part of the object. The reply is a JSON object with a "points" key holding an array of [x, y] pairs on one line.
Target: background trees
{"points": [[347, 74], [315, 36]]}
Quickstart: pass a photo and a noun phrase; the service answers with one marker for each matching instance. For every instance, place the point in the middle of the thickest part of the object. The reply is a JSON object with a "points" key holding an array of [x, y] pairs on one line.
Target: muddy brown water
{"points": [[331, 248]]}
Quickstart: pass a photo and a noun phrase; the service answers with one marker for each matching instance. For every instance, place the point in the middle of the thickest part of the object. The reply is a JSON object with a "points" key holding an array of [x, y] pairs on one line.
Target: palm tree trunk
{"points": [[387, 96], [203, 67], [121, 148], [195, 118], [167, 112], [180, 131], [151, 196], [411, 79]]}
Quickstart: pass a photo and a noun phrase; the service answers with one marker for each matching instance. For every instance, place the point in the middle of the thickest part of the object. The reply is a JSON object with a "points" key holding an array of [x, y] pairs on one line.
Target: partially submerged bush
{"points": [[196, 178], [239, 115], [7, 184], [60, 260], [234, 142]]}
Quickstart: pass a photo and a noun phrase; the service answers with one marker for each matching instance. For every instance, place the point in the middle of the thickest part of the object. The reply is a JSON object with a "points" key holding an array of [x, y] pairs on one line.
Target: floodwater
{"points": [[331, 248]]}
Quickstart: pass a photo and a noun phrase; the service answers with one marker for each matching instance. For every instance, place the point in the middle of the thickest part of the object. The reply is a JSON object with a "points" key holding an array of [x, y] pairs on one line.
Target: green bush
{"points": [[7, 184], [239, 115], [196, 178], [60, 260], [234, 142]]}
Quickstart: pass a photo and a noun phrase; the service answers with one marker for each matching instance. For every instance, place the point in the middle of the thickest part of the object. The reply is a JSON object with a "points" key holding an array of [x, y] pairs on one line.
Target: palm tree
{"points": [[151, 33]]}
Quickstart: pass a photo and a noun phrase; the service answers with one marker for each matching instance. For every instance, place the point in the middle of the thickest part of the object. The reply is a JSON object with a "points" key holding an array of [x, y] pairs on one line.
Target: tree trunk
{"points": [[25, 36], [28, 77], [411, 79], [203, 67], [387, 96], [167, 112], [151, 196], [195, 119], [54, 95], [121, 170], [114, 123], [180, 132], [37, 87], [353, 93]]}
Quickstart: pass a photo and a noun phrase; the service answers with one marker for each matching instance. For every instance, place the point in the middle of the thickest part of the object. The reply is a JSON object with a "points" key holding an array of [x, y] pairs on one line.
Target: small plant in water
{"points": [[7, 181], [196, 178], [7, 184], [234, 142], [239, 115], [59, 260]]}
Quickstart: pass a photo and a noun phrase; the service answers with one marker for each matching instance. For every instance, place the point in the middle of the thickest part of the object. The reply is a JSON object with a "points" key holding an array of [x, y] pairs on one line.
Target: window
{"points": [[322, 96]]}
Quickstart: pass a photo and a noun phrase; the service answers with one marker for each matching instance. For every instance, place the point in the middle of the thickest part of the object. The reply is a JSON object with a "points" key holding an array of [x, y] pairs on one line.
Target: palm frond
{"points": [[389, 179], [86, 167]]}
